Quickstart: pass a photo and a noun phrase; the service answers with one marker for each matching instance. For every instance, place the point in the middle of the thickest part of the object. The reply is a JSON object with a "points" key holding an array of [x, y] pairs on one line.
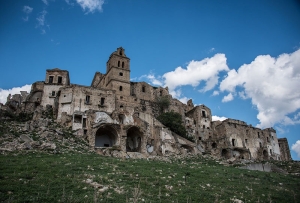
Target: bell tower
{"points": [[118, 72]]}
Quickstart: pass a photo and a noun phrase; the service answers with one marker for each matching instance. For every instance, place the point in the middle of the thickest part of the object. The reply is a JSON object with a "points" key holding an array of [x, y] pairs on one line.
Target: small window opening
{"points": [[209, 137], [268, 139], [118, 63], [204, 114], [121, 53], [271, 151], [51, 79], [123, 64], [77, 118], [200, 138], [84, 122], [120, 74], [53, 93], [260, 145], [87, 99], [84, 132], [143, 89], [203, 126], [59, 80], [207, 127], [214, 145], [194, 122], [258, 135], [121, 88], [121, 97], [233, 142], [121, 106], [160, 93], [102, 101], [106, 145], [246, 141]]}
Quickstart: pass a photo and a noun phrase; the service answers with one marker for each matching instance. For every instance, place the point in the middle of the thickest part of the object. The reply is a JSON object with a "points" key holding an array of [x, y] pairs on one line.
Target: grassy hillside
{"points": [[76, 177]]}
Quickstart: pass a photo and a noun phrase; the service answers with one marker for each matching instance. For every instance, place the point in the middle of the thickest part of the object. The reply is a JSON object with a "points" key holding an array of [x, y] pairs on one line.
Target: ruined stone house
{"points": [[115, 112]]}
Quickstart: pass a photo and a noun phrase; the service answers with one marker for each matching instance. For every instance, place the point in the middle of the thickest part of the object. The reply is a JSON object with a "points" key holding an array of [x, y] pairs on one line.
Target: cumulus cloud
{"points": [[272, 84], [296, 148], [218, 118], [152, 79], [227, 98], [196, 71], [15, 90], [91, 5], [215, 93]]}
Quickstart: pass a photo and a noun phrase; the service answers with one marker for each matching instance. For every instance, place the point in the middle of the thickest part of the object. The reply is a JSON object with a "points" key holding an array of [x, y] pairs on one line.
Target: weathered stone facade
{"points": [[284, 149], [115, 112]]}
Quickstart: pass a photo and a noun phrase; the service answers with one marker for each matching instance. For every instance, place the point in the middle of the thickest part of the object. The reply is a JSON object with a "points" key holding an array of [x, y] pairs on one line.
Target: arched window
{"points": [[123, 64], [118, 63], [121, 88]]}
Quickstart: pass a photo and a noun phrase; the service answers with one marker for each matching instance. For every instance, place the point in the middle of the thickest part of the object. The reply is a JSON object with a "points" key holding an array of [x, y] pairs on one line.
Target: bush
{"points": [[173, 121]]}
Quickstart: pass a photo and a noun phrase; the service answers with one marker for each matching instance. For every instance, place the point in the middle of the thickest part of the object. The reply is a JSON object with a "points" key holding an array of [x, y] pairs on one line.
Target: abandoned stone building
{"points": [[116, 112]]}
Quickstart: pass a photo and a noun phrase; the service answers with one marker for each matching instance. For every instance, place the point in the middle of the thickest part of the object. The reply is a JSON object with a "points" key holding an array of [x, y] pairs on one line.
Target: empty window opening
{"points": [[106, 145], [204, 114], [59, 80], [194, 122], [120, 74], [121, 88], [203, 126], [207, 127], [102, 101], [84, 122], [233, 142], [87, 99], [271, 151], [267, 139], [200, 138], [123, 64], [121, 106], [246, 141], [51, 79], [209, 137], [260, 145], [258, 135], [53, 93], [77, 118], [84, 132], [160, 93], [118, 63], [121, 53], [143, 89], [121, 97], [214, 145]]}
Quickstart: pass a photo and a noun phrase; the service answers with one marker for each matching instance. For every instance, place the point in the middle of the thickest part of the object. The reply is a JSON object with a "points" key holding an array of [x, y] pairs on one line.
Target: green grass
{"points": [[42, 177]]}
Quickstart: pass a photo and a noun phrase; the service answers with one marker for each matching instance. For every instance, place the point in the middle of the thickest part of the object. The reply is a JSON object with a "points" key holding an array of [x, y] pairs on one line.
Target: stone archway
{"points": [[265, 155], [134, 140], [106, 136], [225, 153]]}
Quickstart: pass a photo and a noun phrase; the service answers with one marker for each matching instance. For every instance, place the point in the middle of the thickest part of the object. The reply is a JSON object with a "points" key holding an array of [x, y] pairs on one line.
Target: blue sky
{"points": [[240, 58]]}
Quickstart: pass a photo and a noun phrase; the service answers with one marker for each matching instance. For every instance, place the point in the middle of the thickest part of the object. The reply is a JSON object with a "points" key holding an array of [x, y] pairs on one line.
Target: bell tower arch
{"points": [[118, 72]]}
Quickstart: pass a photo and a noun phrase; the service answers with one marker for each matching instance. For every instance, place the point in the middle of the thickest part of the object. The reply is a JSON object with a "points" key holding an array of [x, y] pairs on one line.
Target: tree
{"points": [[173, 121]]}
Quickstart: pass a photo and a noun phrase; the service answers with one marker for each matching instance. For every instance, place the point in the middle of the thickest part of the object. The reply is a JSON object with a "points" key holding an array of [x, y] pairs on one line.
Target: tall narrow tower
{"points": [[118, 72]]}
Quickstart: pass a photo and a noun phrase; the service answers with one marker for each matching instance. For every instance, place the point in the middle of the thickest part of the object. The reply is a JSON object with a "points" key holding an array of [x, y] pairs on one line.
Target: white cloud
{"points": [[227, 98], [41, 21], [215, 93], [15, 90], [153, 80], [218, 118], [272, 84], [91, 5], [184, 100], [27, 9], [45, 2], [296, 148], [205, 70]]}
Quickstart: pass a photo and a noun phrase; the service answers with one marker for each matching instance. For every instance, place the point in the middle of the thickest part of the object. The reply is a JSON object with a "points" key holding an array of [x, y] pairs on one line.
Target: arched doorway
{"points": [[134, 140], [225, 153], [106, 136], [265, 155]]}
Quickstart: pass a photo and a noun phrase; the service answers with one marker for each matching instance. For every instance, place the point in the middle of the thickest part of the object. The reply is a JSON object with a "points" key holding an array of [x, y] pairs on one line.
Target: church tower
{"points": [[118, 72]]}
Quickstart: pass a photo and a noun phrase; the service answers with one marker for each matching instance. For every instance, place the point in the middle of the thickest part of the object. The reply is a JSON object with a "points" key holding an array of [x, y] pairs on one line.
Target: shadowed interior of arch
{"points": [[105, 137]]}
